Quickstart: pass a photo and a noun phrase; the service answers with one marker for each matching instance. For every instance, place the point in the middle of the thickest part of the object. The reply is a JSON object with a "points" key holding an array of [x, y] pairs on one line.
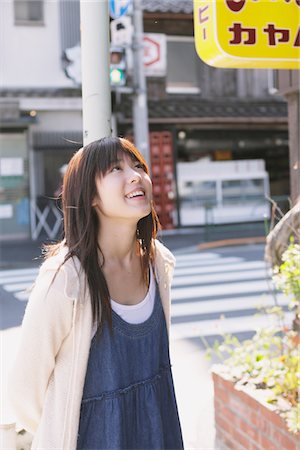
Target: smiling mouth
{"points": [[134, 194]]}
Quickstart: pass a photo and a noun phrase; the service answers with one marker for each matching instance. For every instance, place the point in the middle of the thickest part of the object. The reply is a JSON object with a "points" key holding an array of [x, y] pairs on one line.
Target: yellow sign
{"points": [[248, 33]]}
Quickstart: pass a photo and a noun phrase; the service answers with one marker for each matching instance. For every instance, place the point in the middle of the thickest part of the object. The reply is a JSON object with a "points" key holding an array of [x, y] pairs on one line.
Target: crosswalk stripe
{"points": [[197, 256], [22, 296], [210, 262], [18, 281], [221, 306], [220, 278], [17, 272], [190, 292], [17, 286], [220, 267], [224, 326], [19, 278]]}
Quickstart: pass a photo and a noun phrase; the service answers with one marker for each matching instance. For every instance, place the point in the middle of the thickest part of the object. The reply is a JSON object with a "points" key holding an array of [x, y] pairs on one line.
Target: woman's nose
{"points": [[134, 175]]}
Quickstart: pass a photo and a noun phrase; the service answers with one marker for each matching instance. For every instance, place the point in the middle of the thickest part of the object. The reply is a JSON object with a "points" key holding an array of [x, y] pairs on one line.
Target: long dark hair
{"points": [[81, 222]]}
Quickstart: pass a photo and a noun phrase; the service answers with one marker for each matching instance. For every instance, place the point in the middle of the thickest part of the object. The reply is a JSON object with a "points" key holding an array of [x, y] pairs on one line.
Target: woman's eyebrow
{"points": [[117, 161]]}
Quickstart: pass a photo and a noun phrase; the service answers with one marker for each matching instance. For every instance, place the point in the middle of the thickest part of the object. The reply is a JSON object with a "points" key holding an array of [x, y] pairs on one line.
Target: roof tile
{"points": [[186, 107], [168, 6]]}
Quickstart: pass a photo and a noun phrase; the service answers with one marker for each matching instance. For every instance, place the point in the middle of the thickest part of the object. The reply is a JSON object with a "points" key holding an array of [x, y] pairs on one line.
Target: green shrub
{"points": [[270, 359], [287, 279]]}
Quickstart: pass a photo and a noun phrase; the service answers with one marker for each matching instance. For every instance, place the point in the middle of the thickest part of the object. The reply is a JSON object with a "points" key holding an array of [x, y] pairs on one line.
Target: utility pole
{"points": [[140, 107], [96, 98]]}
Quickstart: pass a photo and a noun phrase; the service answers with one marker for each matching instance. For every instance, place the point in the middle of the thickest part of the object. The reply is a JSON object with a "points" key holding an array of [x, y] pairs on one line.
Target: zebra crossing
{"points": [[18, 282], [211, 294]]}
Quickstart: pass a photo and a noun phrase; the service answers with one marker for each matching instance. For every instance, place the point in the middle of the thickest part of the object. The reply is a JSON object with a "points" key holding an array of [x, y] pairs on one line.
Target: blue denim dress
{"points": [[128, 399]]}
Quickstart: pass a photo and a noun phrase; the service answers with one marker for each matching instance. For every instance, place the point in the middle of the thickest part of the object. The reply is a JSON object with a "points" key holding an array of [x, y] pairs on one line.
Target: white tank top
{"points": [[141, 311]]}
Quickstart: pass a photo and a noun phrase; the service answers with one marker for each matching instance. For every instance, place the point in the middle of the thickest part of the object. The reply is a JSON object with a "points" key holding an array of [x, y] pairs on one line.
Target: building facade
{"points": [[207, 113]]}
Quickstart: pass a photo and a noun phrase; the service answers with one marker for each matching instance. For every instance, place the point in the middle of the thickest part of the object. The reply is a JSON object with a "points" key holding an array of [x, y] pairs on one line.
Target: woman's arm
{"points": [[47, 321]]}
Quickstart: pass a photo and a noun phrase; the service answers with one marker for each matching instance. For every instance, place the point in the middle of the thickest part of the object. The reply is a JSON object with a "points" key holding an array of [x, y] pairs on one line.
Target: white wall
{"points": [[31, 55], [58, 121]]}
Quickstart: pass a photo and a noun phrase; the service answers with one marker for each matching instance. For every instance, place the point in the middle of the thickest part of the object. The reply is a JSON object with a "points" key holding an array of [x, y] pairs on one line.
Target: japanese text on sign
{"points": [[248, 33]]}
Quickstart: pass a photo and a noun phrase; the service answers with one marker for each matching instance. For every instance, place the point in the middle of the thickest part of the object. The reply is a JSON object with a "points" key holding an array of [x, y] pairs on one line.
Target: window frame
{"points": [[180, 89], [29, 22]]}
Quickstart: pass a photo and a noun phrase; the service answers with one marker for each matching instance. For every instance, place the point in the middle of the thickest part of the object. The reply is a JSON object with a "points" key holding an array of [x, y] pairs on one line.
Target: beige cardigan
{"points": [[47, 379]]}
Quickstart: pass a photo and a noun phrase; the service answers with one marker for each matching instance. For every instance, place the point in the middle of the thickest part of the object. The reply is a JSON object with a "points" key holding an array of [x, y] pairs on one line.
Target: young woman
{"points": [[93, 368]]}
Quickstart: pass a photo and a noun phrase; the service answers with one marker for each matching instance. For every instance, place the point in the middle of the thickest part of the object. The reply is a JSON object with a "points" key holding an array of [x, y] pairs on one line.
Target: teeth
{"points": [[135, 194]]}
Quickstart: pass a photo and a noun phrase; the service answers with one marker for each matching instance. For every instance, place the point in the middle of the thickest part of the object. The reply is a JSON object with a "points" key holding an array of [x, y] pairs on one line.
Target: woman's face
{"points": [[124, 192]]}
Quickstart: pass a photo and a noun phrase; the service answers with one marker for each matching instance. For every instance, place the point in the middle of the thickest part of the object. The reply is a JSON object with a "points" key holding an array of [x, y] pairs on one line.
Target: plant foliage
{"points": [[270, 360]]}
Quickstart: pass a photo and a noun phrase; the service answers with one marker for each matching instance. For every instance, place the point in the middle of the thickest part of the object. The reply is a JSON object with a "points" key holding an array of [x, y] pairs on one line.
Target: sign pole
{"points": [[96, 98], [140, 107]]}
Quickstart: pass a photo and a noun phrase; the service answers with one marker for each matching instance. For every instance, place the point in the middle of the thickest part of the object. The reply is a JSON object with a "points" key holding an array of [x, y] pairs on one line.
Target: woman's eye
{"points": [[139, 166], [115, 168]]}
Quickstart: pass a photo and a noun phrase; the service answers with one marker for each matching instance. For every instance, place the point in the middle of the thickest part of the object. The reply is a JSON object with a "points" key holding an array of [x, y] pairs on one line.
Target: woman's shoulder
{"points": [[162, 252], [61, 272], [57, 258]]}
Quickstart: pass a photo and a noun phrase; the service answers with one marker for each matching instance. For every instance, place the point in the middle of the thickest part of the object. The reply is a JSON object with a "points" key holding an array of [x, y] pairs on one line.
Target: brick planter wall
{"points": [[243, 422]]}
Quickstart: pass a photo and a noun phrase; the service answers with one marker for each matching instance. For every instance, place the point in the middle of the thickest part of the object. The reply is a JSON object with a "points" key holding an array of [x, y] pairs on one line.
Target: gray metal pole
{"points": [[140, 107], [96, 98]]}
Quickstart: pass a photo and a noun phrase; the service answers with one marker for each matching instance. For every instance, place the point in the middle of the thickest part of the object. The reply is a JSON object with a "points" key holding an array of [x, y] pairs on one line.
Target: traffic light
{"points": [[117, 66]]}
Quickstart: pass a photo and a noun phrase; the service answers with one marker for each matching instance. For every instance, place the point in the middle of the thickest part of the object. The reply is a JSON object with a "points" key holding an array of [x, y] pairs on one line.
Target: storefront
{"points": [[51, 152], [14, 185], [233, 133]]}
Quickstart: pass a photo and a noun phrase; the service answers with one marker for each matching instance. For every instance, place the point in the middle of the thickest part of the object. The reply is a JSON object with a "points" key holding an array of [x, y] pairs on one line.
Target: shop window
{"points": [[198, 194], [14, 186], [29, 12], [243, 191], [181, 65]]}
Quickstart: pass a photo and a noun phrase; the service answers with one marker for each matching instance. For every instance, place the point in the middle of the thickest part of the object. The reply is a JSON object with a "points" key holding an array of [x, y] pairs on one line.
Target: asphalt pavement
{"points": [[28, 253]]}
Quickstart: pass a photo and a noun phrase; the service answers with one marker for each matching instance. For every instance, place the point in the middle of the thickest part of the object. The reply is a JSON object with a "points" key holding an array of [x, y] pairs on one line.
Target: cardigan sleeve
{"points": [[47, 321], [166, 260]]}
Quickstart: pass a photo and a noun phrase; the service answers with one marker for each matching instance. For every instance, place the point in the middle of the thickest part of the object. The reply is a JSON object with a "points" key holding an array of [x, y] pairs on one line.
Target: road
{"points": [[219, 291], [213, 292], [207, 288]]}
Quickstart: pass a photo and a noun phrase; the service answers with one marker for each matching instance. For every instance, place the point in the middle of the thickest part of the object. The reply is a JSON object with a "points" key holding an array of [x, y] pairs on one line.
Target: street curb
{"points": [[230, 242]]}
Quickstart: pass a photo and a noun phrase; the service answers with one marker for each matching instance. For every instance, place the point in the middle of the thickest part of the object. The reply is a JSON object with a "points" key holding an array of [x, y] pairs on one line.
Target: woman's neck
{"points": [[118, 243]]}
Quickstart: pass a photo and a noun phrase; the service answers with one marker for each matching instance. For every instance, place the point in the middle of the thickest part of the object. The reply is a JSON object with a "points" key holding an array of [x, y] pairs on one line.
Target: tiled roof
{"points": [[176, 106], [168, 6], [187, 107], [39, 92]]}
